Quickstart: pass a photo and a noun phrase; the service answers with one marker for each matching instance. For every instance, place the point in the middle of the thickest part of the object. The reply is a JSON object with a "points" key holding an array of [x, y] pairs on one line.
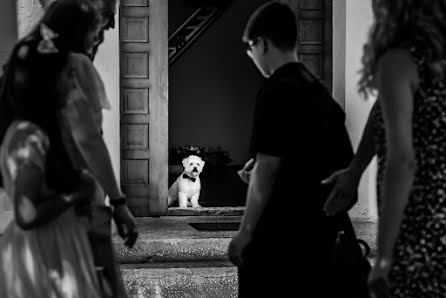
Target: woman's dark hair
{"points": [[30, 83], [275, 21], [404, 23]]}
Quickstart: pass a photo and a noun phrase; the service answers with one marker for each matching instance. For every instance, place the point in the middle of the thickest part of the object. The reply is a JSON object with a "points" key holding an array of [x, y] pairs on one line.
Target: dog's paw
{"points": [[196, 206]]}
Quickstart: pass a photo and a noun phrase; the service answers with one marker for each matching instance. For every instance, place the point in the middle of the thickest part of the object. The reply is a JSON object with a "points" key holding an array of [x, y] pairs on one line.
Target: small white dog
{"points": [[187, 186]]}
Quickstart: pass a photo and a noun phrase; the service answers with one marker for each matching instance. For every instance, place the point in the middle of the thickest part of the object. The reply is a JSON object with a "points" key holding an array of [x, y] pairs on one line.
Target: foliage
{"points": [[213, 155], [177, 154]]}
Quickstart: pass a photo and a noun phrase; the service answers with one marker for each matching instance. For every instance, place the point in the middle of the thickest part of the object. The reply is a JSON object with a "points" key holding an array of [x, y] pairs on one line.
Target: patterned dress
{"points": [[419, 256], [53, 260]]}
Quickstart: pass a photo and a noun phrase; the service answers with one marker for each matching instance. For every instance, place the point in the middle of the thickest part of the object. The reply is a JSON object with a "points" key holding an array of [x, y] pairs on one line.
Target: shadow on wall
{"points": [[212, 87]]}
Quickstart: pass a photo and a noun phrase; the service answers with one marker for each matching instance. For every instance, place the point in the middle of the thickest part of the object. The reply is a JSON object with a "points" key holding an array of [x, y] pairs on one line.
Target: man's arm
{"points": [[366, 150], [344, 194], [261, 183]]}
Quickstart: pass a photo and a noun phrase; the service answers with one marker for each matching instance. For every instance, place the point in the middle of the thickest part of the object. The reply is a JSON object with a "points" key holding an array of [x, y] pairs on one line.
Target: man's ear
{"points": [[264, 44]]}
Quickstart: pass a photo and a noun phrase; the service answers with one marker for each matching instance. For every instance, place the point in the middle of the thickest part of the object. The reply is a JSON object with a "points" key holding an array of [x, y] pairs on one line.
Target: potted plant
{"points": [[217, 157]]}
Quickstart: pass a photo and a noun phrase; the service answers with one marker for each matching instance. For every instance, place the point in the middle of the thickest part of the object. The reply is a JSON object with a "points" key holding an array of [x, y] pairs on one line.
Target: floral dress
{"points": [[419, 256], [53, 260]]}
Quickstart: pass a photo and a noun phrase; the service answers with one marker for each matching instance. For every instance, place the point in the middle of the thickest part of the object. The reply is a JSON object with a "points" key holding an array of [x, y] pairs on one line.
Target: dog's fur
{"points": [[185, 190]]}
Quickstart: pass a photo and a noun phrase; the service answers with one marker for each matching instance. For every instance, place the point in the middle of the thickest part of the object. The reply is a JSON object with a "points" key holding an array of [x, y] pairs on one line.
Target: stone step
{"points": [[206, 211], [181, 280], [173, 239], [173, 259]]}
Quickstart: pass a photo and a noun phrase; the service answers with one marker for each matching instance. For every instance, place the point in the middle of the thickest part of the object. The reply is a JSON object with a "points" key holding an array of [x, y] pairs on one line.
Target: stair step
{"points": [[172, 259], [183, 282], [206, 211], [182, 279], [174, 250], [174, 239]]}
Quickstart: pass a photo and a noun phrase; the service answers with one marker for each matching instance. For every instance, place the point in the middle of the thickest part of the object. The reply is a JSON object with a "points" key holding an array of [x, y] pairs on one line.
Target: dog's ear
{"points": [[185, 160]]}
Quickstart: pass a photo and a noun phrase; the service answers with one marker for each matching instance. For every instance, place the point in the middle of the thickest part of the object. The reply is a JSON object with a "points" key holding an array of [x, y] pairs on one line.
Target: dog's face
{"points": [[193, 165]]}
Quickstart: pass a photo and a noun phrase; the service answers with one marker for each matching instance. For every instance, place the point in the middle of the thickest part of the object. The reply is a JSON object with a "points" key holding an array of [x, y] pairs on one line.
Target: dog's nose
{"points": [[195, 169]]}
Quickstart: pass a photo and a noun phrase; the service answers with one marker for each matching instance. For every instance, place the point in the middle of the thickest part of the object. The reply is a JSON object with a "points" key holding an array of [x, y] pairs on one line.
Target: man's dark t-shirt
{"points": [[297, 120]]}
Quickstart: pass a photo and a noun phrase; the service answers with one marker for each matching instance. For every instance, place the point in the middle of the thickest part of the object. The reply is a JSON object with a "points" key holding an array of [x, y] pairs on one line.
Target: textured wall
{"points": [[29, 12], [8, 35], [107, 63], [8, 28], [358, 20]]}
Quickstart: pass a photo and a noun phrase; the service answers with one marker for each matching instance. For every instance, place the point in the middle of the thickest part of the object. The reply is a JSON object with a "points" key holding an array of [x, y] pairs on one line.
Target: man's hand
{"points": [[125, 223], [237, 248], [344, 194], [245, 173]]}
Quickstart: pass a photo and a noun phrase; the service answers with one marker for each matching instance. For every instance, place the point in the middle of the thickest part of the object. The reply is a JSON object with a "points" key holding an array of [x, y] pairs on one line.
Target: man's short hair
{"points": [[274, 21]]}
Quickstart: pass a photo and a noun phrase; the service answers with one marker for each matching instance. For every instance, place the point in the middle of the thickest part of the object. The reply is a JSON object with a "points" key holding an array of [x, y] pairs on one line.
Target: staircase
{"points": [[203, 17], [173, 259]]}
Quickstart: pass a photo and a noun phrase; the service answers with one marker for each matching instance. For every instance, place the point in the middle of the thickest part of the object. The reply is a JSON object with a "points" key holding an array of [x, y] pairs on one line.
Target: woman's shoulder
{"points": [[90, 81], [80, 59], [396, 55], [82, 66], [399, 62]]}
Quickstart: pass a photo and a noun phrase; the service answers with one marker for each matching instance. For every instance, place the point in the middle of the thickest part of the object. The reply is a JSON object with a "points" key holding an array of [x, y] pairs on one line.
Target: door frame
{"points": [[144, 127]]}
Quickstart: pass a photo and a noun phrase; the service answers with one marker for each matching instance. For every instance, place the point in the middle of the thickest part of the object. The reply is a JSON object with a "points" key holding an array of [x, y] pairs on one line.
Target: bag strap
{"points": [[365, 246], [344, 225]]}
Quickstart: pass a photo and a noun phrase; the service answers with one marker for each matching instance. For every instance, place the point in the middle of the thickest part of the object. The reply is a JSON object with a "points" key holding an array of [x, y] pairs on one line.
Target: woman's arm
{"points": [[83, 118], [91, 146], [32, 208], [396, 79]]}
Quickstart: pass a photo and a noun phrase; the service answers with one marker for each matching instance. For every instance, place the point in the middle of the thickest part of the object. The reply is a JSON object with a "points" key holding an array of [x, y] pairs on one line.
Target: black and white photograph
{"points": [[222, 148]]}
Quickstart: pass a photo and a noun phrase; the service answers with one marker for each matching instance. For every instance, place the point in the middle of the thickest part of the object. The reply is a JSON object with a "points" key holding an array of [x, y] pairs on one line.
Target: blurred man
{"points": [[298, 138]]}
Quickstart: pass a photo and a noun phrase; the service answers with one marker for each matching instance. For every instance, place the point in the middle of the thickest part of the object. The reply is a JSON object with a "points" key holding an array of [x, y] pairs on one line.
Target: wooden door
{"points": [[315, 36], [144, 77]]}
